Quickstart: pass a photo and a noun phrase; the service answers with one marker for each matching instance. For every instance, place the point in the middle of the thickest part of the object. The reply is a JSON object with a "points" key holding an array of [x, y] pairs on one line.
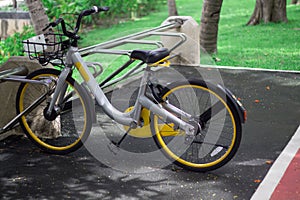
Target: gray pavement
{"points": [[273, 103]]}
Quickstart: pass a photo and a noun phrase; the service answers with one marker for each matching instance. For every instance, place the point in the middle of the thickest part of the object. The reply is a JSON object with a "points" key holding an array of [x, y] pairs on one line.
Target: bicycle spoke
{"points": [[211, 146]]}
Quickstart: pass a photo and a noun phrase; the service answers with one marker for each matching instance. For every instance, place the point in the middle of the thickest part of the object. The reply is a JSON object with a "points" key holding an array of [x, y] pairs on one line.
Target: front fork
{"points": [[61, 87]]}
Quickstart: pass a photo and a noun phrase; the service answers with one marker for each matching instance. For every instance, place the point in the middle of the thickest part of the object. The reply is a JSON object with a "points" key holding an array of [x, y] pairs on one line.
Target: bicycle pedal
{"points": [[113, 147]]}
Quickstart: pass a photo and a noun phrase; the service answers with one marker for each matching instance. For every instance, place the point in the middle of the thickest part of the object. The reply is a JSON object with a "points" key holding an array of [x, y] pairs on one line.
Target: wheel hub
{"points": [[50, 116]]}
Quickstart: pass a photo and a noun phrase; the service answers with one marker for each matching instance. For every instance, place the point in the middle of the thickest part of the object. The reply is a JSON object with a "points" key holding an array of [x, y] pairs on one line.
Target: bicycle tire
{"points": [[69, 129], [216, 144]]}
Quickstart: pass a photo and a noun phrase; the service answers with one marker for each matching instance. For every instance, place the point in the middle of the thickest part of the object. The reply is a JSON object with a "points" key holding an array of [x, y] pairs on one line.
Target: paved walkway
{"points": [[273, 103]]}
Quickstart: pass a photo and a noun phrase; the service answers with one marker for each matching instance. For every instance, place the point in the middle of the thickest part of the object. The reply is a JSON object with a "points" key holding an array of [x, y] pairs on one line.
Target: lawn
{"points": [[271, 46]]}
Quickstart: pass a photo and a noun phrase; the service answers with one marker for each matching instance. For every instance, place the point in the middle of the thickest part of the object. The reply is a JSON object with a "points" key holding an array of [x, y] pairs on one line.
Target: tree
{"points": [[210, 25], [172, 8], [268, 11], [38, 15]]}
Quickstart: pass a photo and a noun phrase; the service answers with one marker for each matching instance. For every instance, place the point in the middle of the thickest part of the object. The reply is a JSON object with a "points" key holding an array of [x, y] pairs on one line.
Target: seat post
{"points": [[142, 92]]}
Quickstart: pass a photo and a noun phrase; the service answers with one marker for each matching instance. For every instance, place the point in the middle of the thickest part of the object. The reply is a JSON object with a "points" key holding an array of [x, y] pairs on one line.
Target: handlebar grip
{"points": [[94, 9], [104, 9]]}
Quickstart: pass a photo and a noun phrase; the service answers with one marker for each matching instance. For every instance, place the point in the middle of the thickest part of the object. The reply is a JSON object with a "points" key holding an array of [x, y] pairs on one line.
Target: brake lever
{"points": [[53, 24]]}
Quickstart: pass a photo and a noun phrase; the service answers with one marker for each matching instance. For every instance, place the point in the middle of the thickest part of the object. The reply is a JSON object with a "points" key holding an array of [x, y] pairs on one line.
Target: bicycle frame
{"points": [[132, 118]]}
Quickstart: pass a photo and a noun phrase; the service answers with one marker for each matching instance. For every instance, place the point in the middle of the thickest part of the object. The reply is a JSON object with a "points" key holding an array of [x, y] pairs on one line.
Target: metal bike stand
{"points": [[137, 38]]}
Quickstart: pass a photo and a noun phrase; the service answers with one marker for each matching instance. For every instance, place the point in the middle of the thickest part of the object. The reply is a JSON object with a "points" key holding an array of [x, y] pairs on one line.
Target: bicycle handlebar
{"points": [[93, 10]]}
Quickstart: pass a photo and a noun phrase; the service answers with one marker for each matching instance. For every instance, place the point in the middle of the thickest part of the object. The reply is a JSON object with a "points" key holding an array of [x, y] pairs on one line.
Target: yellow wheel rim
{"points": [[177, 158], [38, 140]]}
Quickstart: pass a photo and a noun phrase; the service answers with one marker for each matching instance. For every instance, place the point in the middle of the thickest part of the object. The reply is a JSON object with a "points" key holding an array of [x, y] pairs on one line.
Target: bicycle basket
{"points": [[46, 47]]}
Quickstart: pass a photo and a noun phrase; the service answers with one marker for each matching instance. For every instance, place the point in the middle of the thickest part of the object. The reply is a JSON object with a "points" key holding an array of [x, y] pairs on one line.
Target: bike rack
{"points": [[137, 38]]}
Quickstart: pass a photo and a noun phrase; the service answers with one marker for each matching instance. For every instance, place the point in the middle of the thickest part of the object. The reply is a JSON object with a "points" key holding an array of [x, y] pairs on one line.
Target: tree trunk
{"points": [[15, 4], [40, 20], [172, 8], [38, 15], [268, 11], [210, 24]]}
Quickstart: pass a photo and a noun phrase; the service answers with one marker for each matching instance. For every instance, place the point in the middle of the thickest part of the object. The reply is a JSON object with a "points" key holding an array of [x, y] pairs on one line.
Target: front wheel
{"points": [[220, 135], [70, 123]]}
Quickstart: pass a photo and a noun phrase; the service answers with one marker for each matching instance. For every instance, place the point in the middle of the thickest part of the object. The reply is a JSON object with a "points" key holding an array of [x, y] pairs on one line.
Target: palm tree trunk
{"points": [[268, 11], [38, 15], [172, 8], [210, 25]]}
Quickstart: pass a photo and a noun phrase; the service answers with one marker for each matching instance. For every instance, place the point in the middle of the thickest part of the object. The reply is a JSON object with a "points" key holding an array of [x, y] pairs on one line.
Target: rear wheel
{"points": [[219, 139], [69, 124]]}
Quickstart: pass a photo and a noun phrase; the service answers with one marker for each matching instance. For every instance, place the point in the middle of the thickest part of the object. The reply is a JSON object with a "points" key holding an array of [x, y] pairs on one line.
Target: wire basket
{"points": [[46, 48]]}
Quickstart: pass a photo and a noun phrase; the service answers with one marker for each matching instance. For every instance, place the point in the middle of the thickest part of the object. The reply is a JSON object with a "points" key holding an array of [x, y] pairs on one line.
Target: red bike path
{"points": [[283, 179]]}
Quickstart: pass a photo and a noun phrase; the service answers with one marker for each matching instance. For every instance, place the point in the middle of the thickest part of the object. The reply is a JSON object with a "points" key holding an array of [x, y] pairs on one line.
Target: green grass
{"points": [[271, 46]]}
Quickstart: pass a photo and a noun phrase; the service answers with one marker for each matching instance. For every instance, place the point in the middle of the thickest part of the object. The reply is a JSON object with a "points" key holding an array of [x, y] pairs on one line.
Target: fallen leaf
{"points": [[257, 181], [217, 59], [269, 162], [268, 88]]}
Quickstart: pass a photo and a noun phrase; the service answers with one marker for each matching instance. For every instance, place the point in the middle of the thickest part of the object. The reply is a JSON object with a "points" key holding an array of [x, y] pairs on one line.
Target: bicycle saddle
{"points": [[150, 56]]}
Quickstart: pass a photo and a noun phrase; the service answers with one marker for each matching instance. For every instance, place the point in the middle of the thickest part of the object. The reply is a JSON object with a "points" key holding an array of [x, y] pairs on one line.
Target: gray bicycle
{"points": [[196, 124]]}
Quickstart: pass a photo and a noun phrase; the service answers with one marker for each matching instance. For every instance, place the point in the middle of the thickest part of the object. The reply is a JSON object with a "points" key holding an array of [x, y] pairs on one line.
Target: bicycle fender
{"points": [[92, 104], [236, 103]]}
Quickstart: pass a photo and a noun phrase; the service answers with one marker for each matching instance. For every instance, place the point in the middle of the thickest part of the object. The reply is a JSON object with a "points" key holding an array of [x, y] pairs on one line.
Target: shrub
{"points": [[118, 9], [13, 44]]}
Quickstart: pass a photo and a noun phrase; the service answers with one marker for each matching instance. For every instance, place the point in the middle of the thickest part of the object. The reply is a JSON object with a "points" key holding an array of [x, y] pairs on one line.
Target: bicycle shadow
{"points": [[26, 173]]}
